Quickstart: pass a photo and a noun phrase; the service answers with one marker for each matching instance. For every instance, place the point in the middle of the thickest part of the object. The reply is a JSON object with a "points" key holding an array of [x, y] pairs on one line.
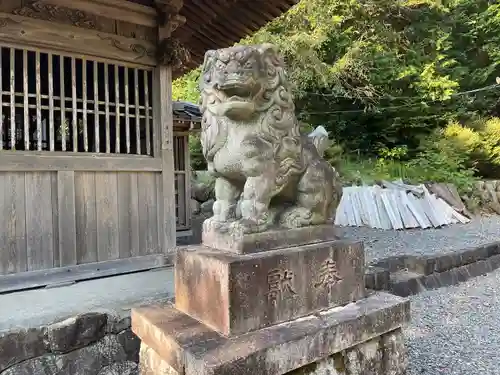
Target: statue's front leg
{"points": [[226, 199], [257, 194]]}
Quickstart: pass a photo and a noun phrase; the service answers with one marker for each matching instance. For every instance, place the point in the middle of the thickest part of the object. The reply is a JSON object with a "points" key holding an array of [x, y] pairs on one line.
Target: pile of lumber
{"points": [[395, 205]]}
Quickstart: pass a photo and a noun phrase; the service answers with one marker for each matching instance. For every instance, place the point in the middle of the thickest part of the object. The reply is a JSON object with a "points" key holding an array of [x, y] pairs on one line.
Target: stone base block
{"points": [[231, 240], [234, 293], [383, 355], [359, 338], [151, 363]]}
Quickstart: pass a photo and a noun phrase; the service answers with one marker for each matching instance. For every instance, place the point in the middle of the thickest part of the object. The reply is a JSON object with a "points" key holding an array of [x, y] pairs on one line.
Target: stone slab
{"points": [[235, 294], [151, 363], [235, 242], [190, 347], [382, 355]]}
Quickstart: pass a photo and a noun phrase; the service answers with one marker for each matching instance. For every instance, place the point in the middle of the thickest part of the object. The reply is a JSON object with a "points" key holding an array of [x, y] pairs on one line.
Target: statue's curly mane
{"points": [[274, 118]]}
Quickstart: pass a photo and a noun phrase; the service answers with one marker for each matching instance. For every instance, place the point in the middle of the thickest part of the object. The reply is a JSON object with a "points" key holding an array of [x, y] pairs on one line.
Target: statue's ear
{"points": [[209, 60], [270, 54], [208, 63], [267, 48]]}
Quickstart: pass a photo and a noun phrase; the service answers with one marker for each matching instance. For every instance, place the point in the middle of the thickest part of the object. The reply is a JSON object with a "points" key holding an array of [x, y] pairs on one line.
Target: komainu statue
{"points": [[267, 174]]}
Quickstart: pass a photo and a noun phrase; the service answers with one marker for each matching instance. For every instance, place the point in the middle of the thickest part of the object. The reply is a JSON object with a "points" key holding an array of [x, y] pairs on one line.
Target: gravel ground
{"points": [[456, 330], [381, 244]]}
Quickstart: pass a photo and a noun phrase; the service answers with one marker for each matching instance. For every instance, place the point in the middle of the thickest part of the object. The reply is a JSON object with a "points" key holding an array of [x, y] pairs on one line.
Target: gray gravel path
{"points": [[456, 330], [381, 244]]}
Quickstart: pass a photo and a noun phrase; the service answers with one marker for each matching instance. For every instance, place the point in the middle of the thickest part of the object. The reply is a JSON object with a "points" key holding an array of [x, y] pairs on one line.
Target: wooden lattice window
{"points": [[54, 102]]}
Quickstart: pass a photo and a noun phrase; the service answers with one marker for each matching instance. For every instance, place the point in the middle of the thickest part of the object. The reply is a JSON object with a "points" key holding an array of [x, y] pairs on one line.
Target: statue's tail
{"points": [[319, 138]]}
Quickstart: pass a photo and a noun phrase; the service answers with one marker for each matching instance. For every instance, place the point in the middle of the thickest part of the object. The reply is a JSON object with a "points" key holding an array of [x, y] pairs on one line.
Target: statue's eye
{"points": [[220, 65], [248, 65]]}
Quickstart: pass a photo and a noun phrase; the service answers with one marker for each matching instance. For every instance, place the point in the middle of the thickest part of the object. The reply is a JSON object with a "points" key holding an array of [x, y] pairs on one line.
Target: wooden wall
{"points": [[67, 218], [93, 213]]}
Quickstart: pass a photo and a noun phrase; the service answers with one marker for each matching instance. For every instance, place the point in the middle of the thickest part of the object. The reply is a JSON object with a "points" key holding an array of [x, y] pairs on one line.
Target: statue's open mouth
{"points": [[237, 90]]}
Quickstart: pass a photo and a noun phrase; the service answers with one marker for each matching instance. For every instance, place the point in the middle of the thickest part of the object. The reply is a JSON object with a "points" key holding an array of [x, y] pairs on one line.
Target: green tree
{"points": [[380, 74]]}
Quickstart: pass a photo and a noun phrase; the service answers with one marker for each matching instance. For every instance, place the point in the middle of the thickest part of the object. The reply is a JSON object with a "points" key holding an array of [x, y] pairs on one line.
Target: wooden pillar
{"points": [[168, 21], [164, 120]]}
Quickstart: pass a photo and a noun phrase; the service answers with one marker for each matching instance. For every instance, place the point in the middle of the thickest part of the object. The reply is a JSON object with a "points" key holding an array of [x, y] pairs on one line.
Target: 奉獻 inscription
{"points": [[328, 274], [280, 284]]}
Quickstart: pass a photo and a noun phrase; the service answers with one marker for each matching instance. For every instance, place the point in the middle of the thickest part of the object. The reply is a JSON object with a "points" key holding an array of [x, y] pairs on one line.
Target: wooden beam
{"points": [[25, 31], [24, 161], [117, 9]]}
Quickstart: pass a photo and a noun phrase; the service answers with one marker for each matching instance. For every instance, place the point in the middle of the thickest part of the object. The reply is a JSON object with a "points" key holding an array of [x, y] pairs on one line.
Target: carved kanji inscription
{"points": [[280, 283], [328, 274]]}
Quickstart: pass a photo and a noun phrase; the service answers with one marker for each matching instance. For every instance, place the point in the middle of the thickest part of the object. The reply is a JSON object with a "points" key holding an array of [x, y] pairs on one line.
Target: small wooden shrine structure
{"points": [[89, 148]]}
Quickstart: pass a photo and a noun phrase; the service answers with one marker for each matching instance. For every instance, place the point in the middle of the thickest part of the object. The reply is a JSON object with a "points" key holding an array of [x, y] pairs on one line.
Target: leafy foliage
{"points": [[385, 76]]}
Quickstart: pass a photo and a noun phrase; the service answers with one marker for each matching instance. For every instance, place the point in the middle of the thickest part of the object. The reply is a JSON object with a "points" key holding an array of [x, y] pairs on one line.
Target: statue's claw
{"points": [[247, 226]]}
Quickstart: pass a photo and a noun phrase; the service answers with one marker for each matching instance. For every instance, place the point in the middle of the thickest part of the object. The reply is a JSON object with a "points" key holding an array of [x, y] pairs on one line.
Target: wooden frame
{"points": [[83, 42], [31, 161], [95, 115]]}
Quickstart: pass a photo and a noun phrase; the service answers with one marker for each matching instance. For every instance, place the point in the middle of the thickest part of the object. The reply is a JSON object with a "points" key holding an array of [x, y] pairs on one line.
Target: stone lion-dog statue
{"points": [[267, 173]]}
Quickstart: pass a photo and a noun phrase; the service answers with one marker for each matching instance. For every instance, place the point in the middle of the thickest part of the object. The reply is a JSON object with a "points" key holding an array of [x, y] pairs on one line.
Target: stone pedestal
{"points": [[298, 309]]}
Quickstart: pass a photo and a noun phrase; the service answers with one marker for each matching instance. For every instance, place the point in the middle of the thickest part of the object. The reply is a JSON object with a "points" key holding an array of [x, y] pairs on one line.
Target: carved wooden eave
{"points": [[170, 51], [126, 11], [146, 32], [42, 34]]}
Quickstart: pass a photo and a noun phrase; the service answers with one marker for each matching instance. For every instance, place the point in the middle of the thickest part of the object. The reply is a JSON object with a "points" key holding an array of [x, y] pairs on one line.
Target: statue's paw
{"points": [[216, 224], [296, 217], [247, 226]]}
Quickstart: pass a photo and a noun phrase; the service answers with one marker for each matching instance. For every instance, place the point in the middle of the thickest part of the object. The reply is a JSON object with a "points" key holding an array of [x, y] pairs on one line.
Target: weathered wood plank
{"points": [[148, 224], [36, 279], [95, 76], [86, 217], [38, 102], [51, 102], [128, 211], [12, 99], [11, 5], [137, 111], [106, 100], [74, 121], [67, 219], [159, 211], [25, 102], [164, 117], [121, 10], [13, 255], [117, 109], [75, 40], [63, 127], [39, 229], [127, 109], [156, 115], [147, 105], [54, 201], [84, 104], [108, 246], [59, 161]]}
